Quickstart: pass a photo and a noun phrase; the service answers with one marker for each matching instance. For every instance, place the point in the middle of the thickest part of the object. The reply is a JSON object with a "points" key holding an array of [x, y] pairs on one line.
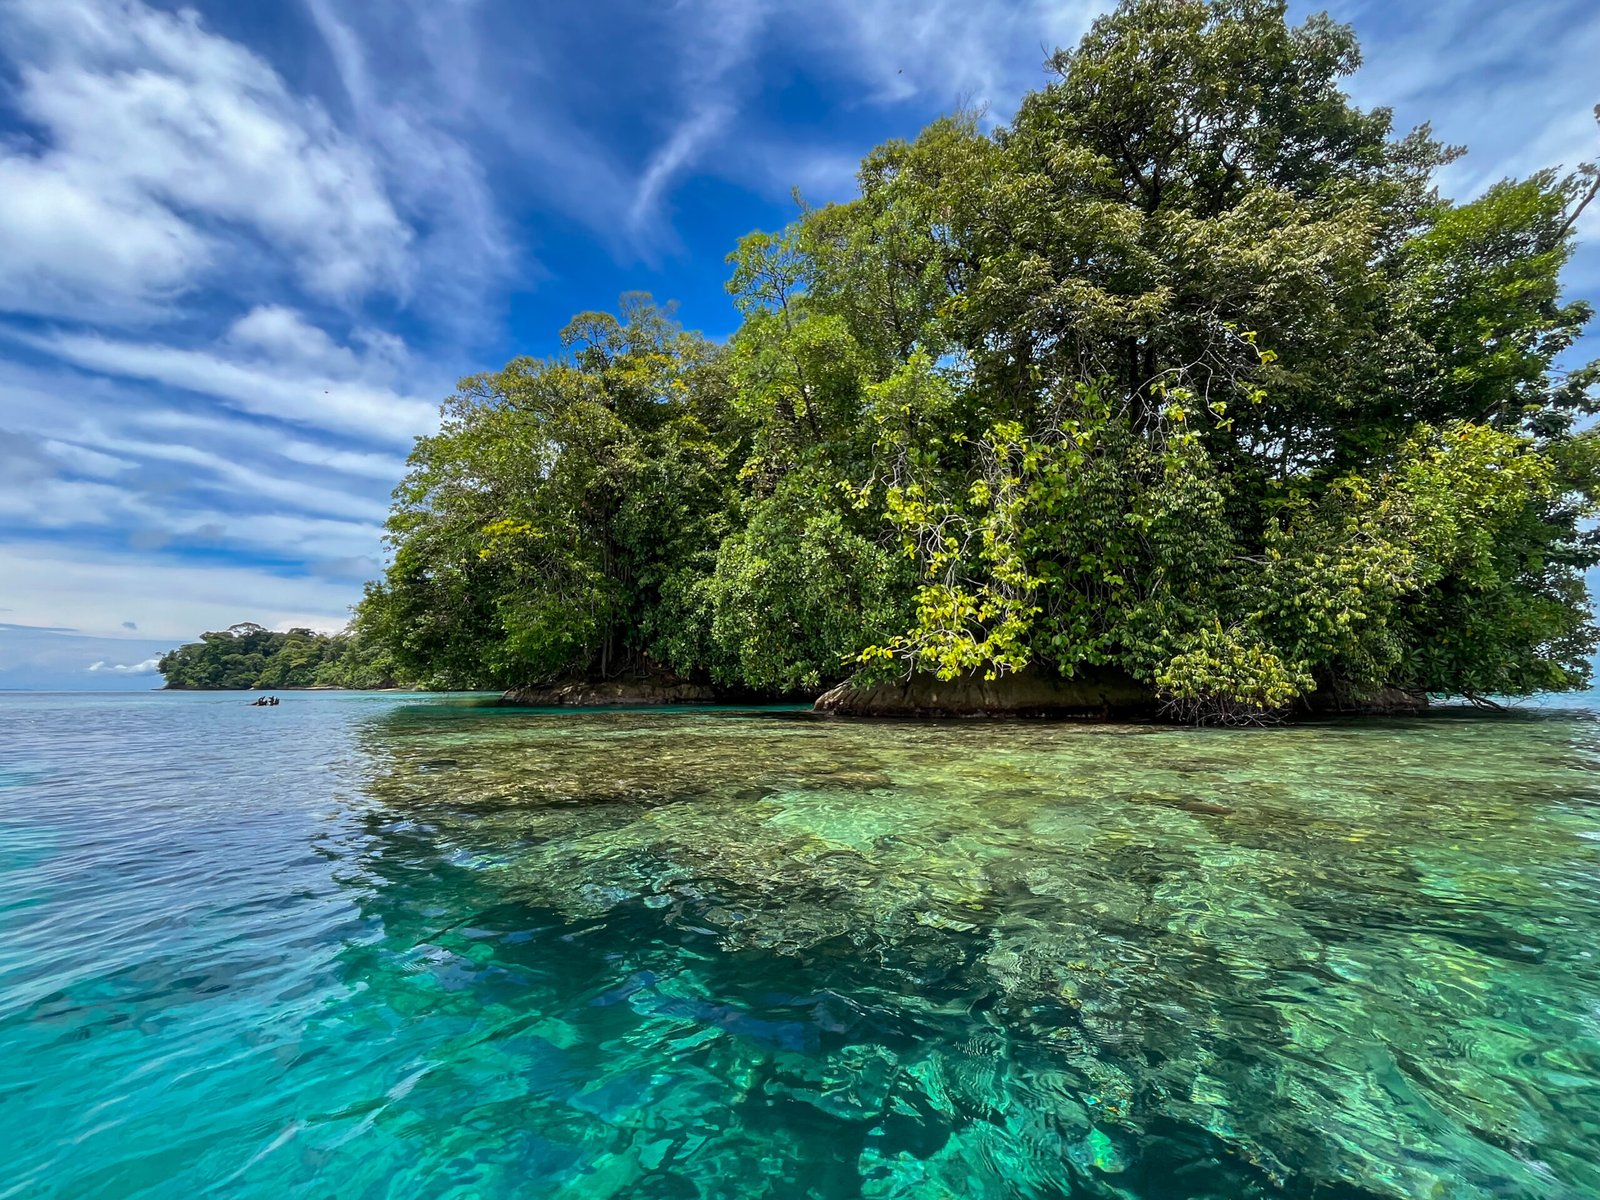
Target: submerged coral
{"points": [[909, 960]]}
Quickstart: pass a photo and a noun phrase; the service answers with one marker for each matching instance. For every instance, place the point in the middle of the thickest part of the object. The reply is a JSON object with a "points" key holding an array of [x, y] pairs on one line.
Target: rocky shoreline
{"points": [[627, 692], [1103, 695]]}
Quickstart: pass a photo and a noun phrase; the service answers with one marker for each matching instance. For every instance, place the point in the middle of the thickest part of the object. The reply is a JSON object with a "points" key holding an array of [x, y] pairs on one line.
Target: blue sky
{"points": [[246, 247]]}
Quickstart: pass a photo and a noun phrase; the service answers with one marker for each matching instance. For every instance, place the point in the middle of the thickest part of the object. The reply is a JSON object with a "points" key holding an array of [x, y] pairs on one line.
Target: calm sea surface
{"points": [[401, 946]]}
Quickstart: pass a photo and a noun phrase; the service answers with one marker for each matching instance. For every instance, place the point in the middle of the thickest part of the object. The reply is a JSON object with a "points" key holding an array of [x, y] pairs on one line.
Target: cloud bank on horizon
{"points": [[245, 251]]}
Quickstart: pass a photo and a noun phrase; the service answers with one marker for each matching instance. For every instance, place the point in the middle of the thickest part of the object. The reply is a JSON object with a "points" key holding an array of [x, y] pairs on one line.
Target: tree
{"points": [[1228, 345], [250, 656], [540, 527], [1187, 372]]}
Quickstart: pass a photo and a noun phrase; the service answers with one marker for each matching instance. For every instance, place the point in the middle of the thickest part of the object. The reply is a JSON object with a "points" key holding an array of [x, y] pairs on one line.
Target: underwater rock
{"points": [[1193, 804], [1104, 694], [1346, 700], [644, 691], [1026, 958]]}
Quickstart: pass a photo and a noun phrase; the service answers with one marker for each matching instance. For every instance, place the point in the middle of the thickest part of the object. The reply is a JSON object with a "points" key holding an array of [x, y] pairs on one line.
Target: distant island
{"points": [[1182, 390], [248, 656]]}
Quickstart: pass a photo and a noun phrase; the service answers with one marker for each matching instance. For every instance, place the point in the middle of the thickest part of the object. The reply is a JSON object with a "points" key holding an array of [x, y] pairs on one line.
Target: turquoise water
{"points": [[392, 946]]}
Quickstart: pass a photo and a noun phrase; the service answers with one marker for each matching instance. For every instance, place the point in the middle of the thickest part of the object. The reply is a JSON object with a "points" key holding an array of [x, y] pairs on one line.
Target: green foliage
{"points": [[556, 502], [1186, 371], [800, 589], [1228, 676], [247, 656]]}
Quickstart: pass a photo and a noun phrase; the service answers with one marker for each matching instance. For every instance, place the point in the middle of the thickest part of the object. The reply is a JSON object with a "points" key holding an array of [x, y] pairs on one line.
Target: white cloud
{"points": [[948, 51], [279, 332], [93, 592], [147, 667], [69, 250], [151, 521], [116, 467], [127, 464], [51, 658], [679, 151], [246, 439], [84, 461], [163, 143], [718, 37], [414, 122], [387, 467], [254, 488], [425, 79], [271, 364]]}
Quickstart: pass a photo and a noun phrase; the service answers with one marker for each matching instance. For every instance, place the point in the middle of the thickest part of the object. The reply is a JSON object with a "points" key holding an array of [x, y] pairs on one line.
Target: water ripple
{"points": [[388, 946]]}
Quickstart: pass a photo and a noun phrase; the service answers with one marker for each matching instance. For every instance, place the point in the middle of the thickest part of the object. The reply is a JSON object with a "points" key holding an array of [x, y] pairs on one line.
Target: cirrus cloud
{"points": [[152, 147]]}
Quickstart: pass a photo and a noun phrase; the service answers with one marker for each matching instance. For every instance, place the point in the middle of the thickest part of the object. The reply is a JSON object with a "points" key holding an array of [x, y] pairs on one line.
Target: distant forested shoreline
{"points": [[250, 657]]}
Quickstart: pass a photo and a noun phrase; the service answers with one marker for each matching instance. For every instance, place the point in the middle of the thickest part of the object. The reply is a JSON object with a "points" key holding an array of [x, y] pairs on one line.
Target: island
{"points": [[249, 657], [1182, 391]]}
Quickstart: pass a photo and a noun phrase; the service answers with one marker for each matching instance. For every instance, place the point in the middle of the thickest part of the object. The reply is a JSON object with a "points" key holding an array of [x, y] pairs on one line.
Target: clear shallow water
{"points": [[387, 946]]}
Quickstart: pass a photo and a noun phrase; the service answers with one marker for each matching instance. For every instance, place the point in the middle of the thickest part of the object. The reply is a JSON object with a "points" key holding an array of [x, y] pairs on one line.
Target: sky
{"points": [[246, 247]]}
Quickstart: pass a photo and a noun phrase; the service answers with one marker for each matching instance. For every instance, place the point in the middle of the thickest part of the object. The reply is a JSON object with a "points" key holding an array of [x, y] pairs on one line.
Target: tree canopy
{"points": [[1188, 371], [248, 656]]}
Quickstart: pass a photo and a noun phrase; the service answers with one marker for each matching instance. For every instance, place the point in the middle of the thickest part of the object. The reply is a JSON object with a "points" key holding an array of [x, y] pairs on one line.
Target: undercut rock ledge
{"points": [[1102, 695]]}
